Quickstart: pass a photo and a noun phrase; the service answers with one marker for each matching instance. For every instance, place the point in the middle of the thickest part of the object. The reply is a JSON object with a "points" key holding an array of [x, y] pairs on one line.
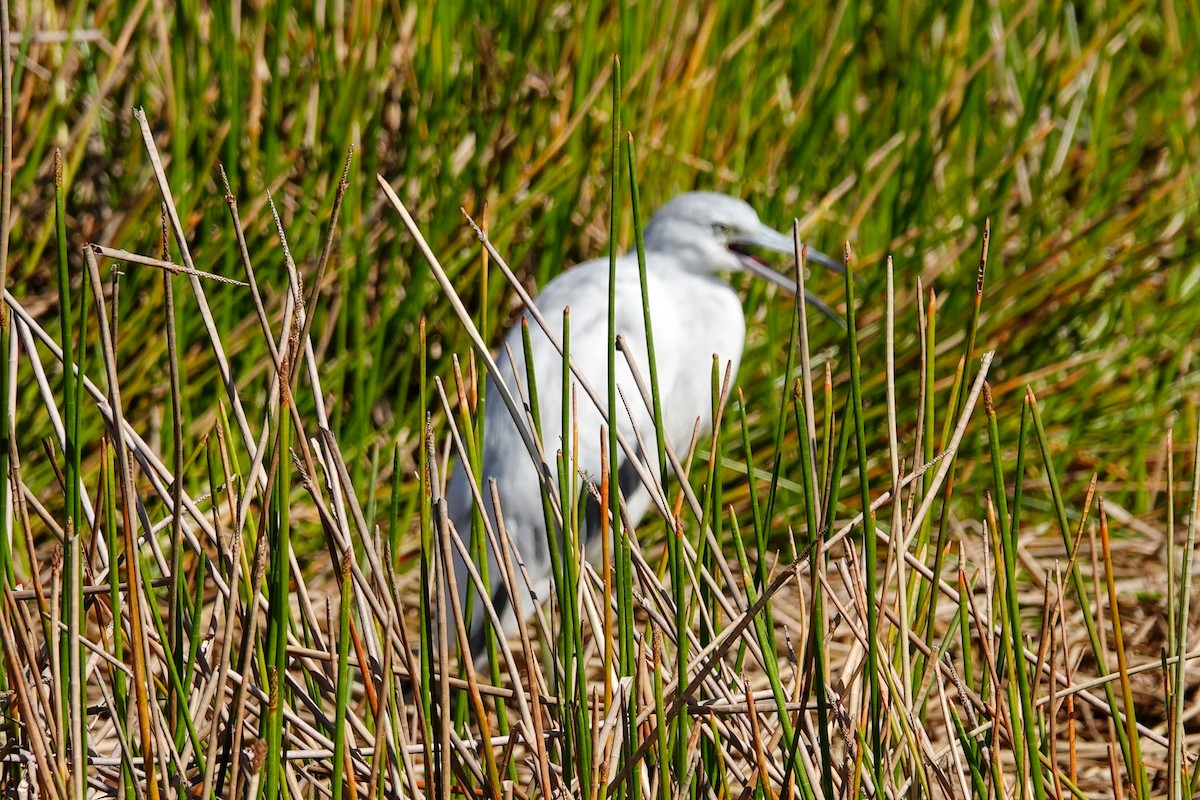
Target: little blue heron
{"points": [[695, 315]]}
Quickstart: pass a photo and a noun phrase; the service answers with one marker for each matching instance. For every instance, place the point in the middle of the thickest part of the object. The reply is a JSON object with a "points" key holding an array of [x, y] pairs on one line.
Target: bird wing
{"points": [[693, 316], [584, 289]]}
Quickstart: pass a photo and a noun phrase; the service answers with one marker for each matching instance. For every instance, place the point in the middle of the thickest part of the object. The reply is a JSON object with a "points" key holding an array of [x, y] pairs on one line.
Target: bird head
{"points": [[711, 232]]}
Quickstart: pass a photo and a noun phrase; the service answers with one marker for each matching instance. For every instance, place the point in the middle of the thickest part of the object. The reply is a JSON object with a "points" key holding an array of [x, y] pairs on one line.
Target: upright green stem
{"points": [[625, 631], [343, 676], [279, 534], [870, 545]]}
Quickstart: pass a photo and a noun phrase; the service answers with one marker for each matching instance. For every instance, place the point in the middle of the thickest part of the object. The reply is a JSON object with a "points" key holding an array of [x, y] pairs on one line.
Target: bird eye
{"points": [[721, 230]]}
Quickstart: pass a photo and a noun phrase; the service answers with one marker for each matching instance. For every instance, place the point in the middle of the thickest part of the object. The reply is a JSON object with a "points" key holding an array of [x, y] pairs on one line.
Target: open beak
{"points": [[769, 239]]}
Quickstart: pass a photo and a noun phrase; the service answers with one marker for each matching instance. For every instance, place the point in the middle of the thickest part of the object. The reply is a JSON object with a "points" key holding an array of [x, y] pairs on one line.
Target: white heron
{"points": [[695, 315]]}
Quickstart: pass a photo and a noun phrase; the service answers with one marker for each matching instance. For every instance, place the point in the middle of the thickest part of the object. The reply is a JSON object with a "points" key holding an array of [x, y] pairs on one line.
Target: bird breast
{"points": [[693, 318]]}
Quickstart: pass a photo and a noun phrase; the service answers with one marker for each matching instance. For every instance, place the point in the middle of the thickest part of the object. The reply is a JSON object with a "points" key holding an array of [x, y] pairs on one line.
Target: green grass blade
{"points": [[1081, 592], [1178, 774], [1015, 643], [342, 702], [870, 544]]}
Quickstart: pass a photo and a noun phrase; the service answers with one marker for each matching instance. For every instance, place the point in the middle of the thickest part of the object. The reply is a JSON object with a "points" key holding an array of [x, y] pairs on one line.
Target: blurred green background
{"points": [[896, 126]]}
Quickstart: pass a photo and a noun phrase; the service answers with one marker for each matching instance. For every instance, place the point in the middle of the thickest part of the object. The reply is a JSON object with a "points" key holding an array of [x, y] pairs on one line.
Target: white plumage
{"points": [[695, 314]]}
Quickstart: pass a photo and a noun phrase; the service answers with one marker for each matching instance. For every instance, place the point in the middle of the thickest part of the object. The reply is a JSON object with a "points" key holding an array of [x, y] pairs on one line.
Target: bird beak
{"points": [[769, 239]]}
